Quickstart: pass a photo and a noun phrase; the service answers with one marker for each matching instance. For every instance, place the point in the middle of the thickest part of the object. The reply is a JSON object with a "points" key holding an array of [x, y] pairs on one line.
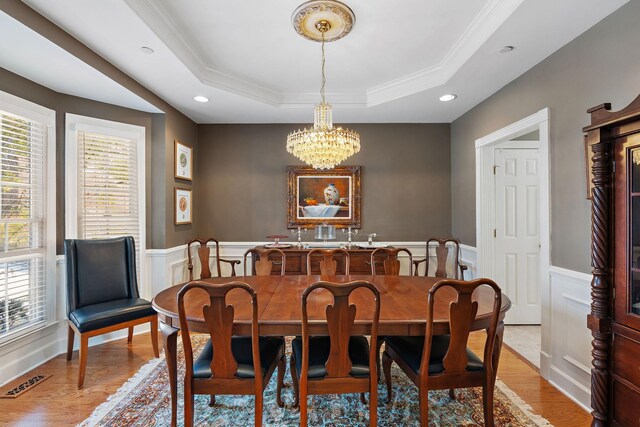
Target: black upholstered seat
{"points": [[270, 350], [96, 316], [410, 350], [102, 292], [319, 348]]}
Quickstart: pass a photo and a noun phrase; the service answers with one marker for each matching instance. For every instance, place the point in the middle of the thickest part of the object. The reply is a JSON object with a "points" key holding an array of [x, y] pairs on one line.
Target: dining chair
{"points": [[390, 261], [102, 293], [228, 364], [436, 362], [391, 267], [204, 252], [328, 264], [447, 254], [340, 362], [263, 265]]}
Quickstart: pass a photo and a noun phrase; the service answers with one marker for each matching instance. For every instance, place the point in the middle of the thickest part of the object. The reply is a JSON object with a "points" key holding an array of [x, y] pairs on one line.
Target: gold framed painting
{"points": [[183, 203], [183, 161], [323, 197]]}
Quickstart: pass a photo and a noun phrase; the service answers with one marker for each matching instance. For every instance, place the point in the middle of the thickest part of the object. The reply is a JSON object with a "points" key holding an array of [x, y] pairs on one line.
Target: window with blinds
{"points": [[108, 204], [23, 239]]}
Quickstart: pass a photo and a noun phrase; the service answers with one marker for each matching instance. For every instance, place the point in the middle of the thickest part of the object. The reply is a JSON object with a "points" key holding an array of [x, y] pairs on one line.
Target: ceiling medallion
{"points": [[339, 16], [323, 146]]}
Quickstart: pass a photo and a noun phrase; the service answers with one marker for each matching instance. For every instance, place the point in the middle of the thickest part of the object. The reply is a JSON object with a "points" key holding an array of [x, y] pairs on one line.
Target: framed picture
{"points": [[183, 206], [183, 161], [588, 154], [318, 197]]}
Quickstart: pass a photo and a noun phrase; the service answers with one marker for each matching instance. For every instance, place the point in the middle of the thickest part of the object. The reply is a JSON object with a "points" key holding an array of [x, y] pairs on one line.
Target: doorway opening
{"points": [[513, 223]]}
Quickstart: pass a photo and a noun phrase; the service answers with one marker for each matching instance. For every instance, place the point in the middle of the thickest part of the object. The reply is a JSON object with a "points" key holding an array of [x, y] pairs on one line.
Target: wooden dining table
{"points": [[403, 309]]}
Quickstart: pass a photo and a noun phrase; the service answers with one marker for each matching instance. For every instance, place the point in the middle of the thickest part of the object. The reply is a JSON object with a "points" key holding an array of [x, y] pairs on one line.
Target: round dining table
{"points": [[403, 310]]}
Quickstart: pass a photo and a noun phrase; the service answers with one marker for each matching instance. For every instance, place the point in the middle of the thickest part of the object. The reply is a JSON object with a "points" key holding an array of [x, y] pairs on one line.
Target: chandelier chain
{"points": [[324, 80]]}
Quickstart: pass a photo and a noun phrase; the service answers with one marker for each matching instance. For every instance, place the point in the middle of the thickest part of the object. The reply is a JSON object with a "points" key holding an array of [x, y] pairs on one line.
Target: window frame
{"points": [[47, 117], [76, 123]]}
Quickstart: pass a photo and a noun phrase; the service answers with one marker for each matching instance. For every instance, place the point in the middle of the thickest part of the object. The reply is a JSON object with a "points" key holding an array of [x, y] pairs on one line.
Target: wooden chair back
{"points": [[340, 319], [328, 264], [461, 316], [390, 260], [204, 252], [219, 318], [263, 264], [447, 253]]}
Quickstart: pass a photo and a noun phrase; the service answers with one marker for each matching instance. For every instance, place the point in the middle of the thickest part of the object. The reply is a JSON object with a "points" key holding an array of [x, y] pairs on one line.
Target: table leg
{"points": [[497, 348], [170, 346]]}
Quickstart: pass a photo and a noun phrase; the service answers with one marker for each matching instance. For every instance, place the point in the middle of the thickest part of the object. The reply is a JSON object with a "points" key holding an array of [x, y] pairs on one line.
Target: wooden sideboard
{"points": [[297, 262]]}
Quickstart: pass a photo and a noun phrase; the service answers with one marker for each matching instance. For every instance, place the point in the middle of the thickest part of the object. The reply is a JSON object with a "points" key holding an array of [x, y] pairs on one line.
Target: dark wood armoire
{"points": [[614, 139]]}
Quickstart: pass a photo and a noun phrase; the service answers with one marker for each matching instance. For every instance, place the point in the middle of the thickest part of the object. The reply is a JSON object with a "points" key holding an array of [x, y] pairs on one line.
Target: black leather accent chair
{"points": [[102, 293]]}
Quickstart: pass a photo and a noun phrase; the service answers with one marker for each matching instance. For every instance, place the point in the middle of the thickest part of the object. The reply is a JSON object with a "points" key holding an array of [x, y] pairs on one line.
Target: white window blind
{"points": [[23, 251], [108, 204]]}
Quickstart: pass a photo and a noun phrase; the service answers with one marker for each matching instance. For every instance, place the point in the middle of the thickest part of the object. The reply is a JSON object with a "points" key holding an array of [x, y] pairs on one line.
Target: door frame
{"points": [[485, 212]]}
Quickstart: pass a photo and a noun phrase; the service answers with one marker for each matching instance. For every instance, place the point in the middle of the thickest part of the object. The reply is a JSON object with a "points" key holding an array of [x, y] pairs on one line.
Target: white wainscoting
{"points": [[568, 358]]}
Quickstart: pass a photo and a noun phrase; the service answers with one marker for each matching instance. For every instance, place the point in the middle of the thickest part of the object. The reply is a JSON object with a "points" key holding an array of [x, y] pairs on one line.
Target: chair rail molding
{"points": [[168, 267]]}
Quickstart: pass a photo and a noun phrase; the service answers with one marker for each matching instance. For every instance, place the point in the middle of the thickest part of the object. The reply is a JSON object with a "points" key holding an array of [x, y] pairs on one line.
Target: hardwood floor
{"points": [[57, 402]]}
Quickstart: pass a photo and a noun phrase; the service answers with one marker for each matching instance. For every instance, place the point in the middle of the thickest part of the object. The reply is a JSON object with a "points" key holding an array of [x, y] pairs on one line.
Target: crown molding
{"points": [[490, 18]]}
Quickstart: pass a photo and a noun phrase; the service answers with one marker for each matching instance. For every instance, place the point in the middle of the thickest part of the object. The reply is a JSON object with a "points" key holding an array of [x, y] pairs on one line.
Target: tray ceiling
{"points": [[400, 57]]}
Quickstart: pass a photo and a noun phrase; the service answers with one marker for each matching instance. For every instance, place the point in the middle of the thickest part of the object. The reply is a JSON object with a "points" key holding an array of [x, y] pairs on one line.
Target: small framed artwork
{"points": [[183, 206], [183, 161]]}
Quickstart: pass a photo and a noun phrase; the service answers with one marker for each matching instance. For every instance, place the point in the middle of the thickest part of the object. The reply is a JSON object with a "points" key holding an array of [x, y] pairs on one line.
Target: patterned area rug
{"points": [[144, 401]]}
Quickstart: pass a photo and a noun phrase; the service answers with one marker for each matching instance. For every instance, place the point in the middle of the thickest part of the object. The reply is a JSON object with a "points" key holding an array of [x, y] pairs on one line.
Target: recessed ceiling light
{"points": [[506, 49], [201, 98], [448, 97], [147, 50]]}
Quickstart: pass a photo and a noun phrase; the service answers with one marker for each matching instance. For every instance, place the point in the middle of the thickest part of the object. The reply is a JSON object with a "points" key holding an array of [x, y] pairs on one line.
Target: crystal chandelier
{"points": [[323, 146]]}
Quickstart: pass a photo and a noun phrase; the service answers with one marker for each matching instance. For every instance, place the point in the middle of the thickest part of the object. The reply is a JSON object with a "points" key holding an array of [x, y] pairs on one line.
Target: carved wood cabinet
{"points": [[360, 262], [614, 138]]}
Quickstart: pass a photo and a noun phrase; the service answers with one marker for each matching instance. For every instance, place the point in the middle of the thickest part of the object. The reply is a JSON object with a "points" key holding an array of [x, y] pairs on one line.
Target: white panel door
{"points": [[517, 232]]}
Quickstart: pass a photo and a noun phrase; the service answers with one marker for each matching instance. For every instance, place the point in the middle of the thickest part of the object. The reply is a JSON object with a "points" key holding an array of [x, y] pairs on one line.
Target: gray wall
{"points": [[601, 65], [406, 190]]}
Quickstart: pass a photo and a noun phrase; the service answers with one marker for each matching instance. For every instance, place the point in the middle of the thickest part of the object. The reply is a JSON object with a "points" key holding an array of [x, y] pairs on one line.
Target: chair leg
{"points": [[70, 337], [258, 414], [487, 402], [363, 399], [424, 407], [282, 366], [452, 393], [154, 336], [130, 335], [386, 366], [373, 404], [294, 378], [188, 404], [212, 400], [82, 353], [378, 347], [303, 405]]}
